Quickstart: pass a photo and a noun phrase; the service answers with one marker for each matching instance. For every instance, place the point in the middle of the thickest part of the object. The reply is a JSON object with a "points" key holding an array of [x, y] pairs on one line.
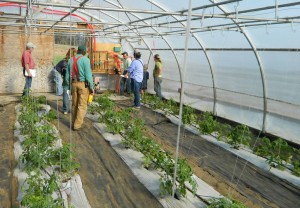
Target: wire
{"points": [[182, 96]]}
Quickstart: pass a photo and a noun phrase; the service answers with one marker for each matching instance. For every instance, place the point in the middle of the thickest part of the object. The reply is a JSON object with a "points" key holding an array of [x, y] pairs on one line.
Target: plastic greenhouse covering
{"points": [[242, 56]]}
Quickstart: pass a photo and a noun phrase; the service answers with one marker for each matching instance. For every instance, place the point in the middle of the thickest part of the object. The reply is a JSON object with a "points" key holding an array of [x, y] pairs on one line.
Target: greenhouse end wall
{"points": [[12, 47]]}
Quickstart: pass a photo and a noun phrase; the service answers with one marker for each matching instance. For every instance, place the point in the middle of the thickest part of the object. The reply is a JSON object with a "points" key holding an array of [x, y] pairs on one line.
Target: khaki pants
{"points": [[79, 103]]}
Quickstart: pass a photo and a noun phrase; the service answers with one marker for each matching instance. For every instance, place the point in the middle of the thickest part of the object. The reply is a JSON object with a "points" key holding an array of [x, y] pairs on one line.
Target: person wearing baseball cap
{"points": [[27, 64], [125, 80], [79, 79]]}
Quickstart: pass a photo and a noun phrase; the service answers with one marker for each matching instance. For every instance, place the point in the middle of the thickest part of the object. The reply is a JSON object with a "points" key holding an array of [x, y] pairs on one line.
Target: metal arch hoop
{"points": [[206, 55], [261, 69]]}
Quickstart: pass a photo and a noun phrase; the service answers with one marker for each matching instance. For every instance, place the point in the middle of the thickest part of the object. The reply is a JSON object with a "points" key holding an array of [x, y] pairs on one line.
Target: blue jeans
{"points": [[28, 82], [58, 80], [125, 81], [157, 87], [65, 100], [136, 92], [122, 85], [128, 87]]}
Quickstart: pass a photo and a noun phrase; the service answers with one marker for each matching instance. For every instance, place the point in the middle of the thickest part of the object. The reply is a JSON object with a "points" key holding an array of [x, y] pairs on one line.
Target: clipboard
{"points": [[32, 72]]}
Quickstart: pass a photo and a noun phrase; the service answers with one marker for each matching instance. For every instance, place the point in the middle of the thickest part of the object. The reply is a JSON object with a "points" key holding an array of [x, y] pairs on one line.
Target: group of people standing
{"points": [[75, 75], [135, 76]]}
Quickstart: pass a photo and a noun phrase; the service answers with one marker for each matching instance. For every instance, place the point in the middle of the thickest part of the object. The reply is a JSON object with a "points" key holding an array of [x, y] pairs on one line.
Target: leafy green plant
{"points": [[277, 152], [263, 149], [188, 115], [185, 174], [42, 99], [207, 124], [296, 167], [30, 103], [156, 103], [64, 159], [116, 121], [39, 154], [225, 203], [132, 129], [239, 135], [51, 115], [105, 104], [41, 136], [34, 158], [133, 134], [280, 153], [27, 120], [171, 107], [223, 131], [39, 192], [146, 98], [93, 108], [153, 155]]}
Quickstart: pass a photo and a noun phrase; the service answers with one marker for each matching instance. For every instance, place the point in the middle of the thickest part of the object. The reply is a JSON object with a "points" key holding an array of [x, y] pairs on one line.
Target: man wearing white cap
{"points": [[27, 63]]}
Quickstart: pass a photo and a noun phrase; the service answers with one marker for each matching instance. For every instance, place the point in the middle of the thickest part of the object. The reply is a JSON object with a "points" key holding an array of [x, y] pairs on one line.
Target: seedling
{"points": [[225, 203]]}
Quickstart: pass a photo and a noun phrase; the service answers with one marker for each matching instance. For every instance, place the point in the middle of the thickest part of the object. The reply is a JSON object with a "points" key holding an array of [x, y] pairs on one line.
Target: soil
{"points": [[230, 175], [8, 184]]}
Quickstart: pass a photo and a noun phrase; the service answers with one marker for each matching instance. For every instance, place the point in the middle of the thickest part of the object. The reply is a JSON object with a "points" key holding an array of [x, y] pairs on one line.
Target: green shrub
{"points": [[188, 115], [39, 192], [277, 152], [225, 203], [239, 135], [207, 123]]}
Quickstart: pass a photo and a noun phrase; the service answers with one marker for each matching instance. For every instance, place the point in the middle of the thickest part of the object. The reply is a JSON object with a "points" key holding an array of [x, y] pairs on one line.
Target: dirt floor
{"points": [[7, 159], [220, 168]]}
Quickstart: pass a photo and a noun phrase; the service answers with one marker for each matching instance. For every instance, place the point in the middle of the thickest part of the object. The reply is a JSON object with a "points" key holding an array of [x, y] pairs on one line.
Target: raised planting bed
{"points": [[47, 170]]}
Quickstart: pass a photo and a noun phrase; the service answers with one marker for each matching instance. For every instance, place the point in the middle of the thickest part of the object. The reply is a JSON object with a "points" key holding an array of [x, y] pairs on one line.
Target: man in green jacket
{"points": [[79, 79]]}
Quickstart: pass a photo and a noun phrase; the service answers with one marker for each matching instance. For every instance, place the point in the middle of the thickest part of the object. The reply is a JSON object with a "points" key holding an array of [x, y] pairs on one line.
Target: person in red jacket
{"points": [[27, 64]]}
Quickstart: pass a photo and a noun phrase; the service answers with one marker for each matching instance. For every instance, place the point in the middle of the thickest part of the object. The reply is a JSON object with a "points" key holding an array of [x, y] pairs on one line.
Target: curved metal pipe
{"points": [[261, 69], [206, 55]]}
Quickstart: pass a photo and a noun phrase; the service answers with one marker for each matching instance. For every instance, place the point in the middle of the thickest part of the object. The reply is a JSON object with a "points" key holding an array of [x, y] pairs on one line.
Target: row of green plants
{"points": [[47, 166], [154, 157], [120, 121], [278, 153]]}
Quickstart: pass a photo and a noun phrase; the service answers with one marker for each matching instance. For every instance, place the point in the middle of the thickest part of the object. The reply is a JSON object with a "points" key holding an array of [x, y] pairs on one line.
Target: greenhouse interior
{"points": [[150, 103]]}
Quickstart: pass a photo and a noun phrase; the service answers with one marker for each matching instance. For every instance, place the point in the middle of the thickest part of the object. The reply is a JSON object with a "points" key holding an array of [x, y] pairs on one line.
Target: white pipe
{"points": [[182, 94]]}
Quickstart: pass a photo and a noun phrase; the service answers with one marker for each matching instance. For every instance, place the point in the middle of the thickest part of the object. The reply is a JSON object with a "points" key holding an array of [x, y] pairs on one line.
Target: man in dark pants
{"points": [[136, 73]]}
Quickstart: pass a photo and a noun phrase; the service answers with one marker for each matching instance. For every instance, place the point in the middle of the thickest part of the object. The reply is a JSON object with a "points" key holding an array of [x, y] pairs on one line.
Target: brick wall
{"points": [[12, 47]]}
